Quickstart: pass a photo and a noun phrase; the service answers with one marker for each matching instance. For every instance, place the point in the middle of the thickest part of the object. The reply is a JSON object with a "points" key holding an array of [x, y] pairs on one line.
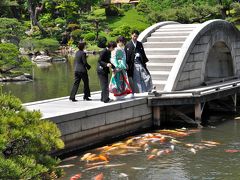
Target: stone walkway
{"points": [[62, 106]]}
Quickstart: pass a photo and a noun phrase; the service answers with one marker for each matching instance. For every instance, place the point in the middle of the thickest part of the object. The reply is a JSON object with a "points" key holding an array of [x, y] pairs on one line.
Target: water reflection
{"points": [[51, 80]]}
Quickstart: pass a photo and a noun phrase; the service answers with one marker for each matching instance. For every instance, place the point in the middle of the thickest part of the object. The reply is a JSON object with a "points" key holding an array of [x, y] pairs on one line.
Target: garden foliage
{"points": [[25, 142]]}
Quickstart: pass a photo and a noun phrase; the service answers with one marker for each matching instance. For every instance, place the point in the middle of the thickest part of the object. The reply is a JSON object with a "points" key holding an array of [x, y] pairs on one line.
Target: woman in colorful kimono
{"points": [[119, 83]]}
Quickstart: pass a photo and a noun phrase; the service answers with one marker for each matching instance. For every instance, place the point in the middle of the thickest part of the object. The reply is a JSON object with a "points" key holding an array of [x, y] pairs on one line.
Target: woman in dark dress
{"points": [[80, 72], [103, 68]]}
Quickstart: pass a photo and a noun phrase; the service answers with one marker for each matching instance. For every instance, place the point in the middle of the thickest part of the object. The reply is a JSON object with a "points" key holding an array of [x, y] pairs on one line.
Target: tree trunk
{"points": [[33, 16]]}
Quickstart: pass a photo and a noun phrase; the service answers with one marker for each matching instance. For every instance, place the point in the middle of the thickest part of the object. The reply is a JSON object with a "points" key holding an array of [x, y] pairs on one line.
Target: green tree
{"points": [[98, 21], [10, 59], [25, 142], [11, 29]]}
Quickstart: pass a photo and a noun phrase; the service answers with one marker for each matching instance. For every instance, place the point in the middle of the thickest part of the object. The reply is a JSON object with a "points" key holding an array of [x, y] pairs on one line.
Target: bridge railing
{"points": [[197, 92]]}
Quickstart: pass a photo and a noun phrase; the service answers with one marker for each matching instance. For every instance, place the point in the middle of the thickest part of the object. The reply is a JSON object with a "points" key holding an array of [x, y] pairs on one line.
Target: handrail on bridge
{"points": [[197, 92]]}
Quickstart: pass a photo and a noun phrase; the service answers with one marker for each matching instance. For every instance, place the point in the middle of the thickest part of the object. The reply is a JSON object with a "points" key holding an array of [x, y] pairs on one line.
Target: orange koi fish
{"points": [[103, 158], [173, 133], [76, 176], [99, 177], [152, 156], [232, 150]]}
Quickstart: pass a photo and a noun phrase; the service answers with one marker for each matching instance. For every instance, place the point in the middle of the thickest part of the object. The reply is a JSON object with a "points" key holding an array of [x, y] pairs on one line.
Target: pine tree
{"points": [[26, 141]]}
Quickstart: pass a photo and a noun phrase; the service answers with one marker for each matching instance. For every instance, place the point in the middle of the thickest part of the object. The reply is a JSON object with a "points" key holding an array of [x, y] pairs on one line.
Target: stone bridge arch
{"points": [[184, 56], [219, 63]]}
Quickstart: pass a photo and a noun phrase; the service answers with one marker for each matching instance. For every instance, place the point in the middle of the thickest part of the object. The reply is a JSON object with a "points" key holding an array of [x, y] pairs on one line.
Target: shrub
{"points": [[11, 28], [25, 142], [46, 19], [10, 59], [183, 15], [111, 11], [76, 35], [72, 27], [89, 37], [60, 22], [236, 8], [143, 8], [47, 44], [123, 30], [126, 7]]}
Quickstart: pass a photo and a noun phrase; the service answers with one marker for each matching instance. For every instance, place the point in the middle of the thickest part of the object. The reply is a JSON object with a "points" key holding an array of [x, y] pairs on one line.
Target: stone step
{"points": [[162, 44], [160, 34], [159, 75], [159, 84], [175, 30], [161, 58], [159, 66], [176, 26], [167, 39], [162, 51]]}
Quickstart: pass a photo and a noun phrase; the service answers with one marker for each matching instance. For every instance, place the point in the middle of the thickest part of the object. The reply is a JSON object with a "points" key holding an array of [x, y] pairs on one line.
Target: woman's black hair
{"points": [[112, 44], [102, 41], [121, 39], [81, 45]]}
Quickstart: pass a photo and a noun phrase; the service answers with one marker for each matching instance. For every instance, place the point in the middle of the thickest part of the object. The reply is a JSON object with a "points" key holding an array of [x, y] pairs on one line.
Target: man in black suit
{"points": [[103, 68], [135, 51], [80, 72]]}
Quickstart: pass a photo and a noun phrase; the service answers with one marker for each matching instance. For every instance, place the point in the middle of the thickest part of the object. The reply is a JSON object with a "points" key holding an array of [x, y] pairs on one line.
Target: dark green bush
{"points": [[126, 7], [123, 30], [76, 35], [111, 11], [10, 59], [72, 27], [236, 8], [60, 22], [30, 45], [11, 29], [89, 37], [143, 8], [25, 142]]}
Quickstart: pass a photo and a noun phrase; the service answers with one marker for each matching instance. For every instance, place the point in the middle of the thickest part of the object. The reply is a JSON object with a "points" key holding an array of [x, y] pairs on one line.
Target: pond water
{"points": [[209, 153], [51, 81]]}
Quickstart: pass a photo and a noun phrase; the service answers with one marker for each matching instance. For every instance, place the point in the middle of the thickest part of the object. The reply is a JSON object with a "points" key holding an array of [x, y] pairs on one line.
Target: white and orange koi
{"points": [[69, 158], [115, 165], [97, 163], [193, 150], [211, 142], [85, 156]]}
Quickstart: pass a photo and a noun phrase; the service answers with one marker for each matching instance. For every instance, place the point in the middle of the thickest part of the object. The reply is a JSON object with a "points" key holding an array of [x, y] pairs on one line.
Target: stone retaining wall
{"points": [[90, 127]]}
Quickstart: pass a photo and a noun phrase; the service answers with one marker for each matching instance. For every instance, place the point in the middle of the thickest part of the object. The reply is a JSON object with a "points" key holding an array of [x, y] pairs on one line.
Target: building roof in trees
{"points": [[120, 1], [124, 1]]}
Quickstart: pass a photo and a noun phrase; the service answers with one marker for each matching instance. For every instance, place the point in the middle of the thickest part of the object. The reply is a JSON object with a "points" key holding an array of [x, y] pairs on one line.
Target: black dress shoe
{"points": [[87, 99], [108, 101], [73, 100]]}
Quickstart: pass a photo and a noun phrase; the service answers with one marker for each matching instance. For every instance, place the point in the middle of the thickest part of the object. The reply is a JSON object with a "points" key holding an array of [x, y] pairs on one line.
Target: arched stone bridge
{"points": [[183, 56]]}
